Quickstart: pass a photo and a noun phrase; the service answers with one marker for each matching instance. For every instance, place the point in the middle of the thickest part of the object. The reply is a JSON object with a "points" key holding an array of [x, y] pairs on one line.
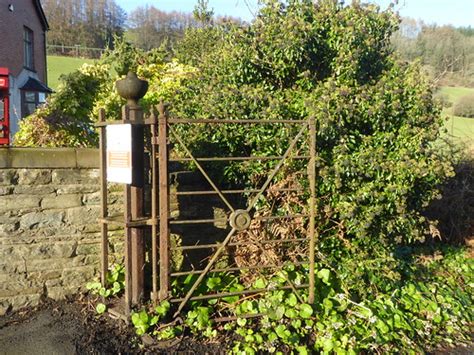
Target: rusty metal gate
{"points": [[167, 148]]}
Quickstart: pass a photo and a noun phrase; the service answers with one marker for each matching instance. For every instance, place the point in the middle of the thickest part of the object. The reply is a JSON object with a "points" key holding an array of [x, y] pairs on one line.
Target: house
{"points": [[23, 81]]}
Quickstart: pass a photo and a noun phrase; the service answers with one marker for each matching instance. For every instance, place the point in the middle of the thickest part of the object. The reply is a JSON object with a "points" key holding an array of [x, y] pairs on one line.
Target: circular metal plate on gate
{"points": [[240, 220]]}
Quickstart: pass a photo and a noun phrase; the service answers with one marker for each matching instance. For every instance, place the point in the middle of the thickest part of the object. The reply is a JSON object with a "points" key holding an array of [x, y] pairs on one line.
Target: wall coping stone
{"points": [[44, 158]]}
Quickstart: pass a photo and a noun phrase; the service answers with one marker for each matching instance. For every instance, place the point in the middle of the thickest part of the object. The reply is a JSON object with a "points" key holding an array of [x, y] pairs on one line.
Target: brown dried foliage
{"points": [[256, 249], [454, 210]]}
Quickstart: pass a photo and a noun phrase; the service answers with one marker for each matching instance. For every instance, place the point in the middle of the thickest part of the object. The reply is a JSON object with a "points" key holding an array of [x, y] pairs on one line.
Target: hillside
{"points": [[58, 66], [460, 128]]}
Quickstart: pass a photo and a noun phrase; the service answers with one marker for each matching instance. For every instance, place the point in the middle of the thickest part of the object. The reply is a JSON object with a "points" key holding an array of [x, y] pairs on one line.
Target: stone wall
{"points": [[49, 234], [49, 230]]}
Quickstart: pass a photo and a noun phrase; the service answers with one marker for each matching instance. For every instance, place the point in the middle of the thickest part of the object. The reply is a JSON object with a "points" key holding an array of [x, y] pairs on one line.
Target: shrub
{"points": [[465, 106], [443, 100], [376, 116], [66, 120]]}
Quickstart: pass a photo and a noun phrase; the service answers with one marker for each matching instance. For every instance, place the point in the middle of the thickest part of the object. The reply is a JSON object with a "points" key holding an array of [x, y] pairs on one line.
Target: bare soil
{"points": [[71, 327]]}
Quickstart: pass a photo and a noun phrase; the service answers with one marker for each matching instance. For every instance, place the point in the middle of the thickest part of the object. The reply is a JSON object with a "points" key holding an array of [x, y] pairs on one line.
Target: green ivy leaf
{"points": [[306, 311], [259, 284], [241, 322], [100, 308], [93, 285], [382, 326], [163, 308], [291, 300], [281, 331], [291, 313], [213, 283], [302, 350], [324, 275]]}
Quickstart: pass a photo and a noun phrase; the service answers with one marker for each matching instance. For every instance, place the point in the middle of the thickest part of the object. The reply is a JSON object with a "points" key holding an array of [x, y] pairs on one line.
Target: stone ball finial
{"points": [[131, 88]]}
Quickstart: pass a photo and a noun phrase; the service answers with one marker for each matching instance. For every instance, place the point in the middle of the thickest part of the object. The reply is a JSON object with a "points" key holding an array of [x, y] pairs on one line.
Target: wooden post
{"points": [[103, 201], [312, 207], [154, 209], [164, 201], [133, 89], [128, 247], [137, 206]]}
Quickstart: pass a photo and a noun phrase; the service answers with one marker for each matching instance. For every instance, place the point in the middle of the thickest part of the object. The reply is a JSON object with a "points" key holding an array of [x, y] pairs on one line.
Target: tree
{"points": [[150, 28], [446, 50], [202, 13], [405, 39], [89, 23]]}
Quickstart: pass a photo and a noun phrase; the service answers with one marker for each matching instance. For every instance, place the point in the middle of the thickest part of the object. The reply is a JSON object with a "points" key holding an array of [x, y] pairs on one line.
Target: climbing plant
{"points": [[375, 116]]}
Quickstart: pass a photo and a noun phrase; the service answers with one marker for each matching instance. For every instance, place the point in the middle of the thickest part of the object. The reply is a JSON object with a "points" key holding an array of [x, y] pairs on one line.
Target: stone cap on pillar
{"points": [[132, 89]]}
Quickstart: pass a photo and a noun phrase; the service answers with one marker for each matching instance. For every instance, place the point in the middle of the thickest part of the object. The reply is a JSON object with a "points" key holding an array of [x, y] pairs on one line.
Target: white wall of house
{"points": [[15, 99]]}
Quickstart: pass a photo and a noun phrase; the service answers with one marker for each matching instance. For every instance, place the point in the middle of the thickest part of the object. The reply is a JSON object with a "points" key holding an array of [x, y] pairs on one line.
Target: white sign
{"points": [[119, 153]]}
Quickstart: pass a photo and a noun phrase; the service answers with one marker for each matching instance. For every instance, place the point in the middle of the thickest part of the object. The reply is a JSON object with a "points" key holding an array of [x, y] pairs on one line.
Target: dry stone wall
{"points": [[49, 234], [49, 230]]}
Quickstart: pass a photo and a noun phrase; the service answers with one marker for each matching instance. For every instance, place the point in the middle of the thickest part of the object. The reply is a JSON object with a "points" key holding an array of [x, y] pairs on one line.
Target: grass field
{"points": [[461, 129], [62, 65]]}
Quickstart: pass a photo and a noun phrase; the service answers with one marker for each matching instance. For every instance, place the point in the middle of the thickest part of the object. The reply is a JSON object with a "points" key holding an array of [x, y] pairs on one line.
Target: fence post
{"points": [[154, 206], [132, 89], [163, 201], [312, 207], [103, 202]]}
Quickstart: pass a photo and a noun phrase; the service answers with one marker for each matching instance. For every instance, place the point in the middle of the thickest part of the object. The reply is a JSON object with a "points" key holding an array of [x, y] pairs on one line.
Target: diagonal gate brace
{"points": [[227, 240]]}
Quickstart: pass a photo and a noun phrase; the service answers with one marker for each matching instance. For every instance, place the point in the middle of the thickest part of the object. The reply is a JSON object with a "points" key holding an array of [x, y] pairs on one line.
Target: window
{"points": [[29, 103], [28, 48], [2, 111], [3, 128], [31, 100]]}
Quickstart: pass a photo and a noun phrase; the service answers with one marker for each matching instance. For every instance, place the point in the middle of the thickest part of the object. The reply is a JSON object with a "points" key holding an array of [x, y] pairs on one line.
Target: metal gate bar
{"points": [[258, 218], [240, 268], [164, 201], [177, 160], [237, 293], [244, 191], [154, 207], [103, 201], [251, 205], [233, 121], [312, 206], [208, 246]]}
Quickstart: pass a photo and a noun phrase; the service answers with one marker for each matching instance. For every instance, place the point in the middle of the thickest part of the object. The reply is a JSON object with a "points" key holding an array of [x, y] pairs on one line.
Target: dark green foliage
{"points": [[465, 107], [124, 57], [467, 31], [202, 13], [376, 118]]}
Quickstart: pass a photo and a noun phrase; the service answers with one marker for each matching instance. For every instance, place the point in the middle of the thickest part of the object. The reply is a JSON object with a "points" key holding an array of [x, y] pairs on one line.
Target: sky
{"points": [[442, 12]]}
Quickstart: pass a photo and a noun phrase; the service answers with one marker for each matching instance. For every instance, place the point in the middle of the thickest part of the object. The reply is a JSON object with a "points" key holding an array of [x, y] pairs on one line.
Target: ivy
{"points": [[115, 286], [376, 119], [430, 304]]}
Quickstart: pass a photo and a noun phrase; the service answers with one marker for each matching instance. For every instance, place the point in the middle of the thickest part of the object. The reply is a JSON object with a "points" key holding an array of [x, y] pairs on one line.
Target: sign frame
{"points": [[119, 153]]}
